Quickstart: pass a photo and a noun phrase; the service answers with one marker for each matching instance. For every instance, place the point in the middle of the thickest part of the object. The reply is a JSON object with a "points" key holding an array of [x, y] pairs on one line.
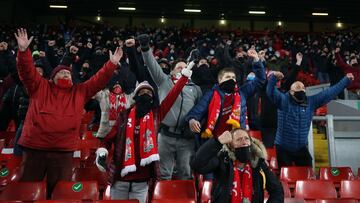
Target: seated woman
{"points": [[240, 172]]}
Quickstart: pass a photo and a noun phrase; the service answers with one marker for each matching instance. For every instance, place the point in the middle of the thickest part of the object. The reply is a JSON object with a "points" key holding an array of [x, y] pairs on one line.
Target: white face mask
{"points": [[177, 76]]}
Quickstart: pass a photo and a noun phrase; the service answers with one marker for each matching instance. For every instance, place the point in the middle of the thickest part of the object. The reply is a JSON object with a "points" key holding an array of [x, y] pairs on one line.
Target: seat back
{"points": [[350, 189], [336, 201], [336, 174], [175, 189], [206, 191], [85, 190], [90, 174], [293, 173], [315, 189], [24, 191], [256, 134], [118, 201], [59, 201], [293, 200], [286, 188]]}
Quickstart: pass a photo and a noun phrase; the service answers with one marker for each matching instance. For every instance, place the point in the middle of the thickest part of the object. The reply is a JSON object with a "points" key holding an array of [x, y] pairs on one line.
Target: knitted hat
{"points": [[59, 68], [144, 85]]}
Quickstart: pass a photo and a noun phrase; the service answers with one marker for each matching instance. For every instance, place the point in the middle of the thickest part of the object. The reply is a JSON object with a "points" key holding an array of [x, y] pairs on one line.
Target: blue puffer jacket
{"points": [[200, 111], [293, 119]]}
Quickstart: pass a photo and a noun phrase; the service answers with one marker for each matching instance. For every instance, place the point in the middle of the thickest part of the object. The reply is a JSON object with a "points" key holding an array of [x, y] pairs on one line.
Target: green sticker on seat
{"points": [[335, 171], [77, 187], [94, 134], [4, 172]]}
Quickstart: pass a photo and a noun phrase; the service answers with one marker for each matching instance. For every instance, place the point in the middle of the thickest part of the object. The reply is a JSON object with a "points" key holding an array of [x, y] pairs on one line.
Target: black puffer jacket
{"points": [[212, 157]]}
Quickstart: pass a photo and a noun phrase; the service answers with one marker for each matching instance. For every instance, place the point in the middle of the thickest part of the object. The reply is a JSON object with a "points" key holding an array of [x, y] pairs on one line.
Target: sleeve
{"points": [[340, 62], [135, 66], [199, 110], [99, 80], [154, 68], [249, 88], [171, 97], [273, 93], [227, 58], [27, 72], [330, 93], [206, 159], [273, 185], [291, 77]]}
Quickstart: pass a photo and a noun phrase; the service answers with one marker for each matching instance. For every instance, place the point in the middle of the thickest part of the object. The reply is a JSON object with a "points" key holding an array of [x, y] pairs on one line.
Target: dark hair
{"points": [[175, 62], [225, 70]]}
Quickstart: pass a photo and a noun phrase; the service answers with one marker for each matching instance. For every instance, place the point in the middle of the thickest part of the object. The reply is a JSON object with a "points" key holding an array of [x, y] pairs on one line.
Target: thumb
{"points": [[191, 65], [31, 39], [110, 53]]}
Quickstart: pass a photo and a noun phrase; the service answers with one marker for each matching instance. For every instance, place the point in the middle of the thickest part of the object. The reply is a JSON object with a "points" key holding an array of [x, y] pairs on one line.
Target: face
{"points": [[178, 67], [353, 61], [227, 76], [240, 139], [145, 91], [297, 86], [203, 61], [40, 71], [63, 74]]}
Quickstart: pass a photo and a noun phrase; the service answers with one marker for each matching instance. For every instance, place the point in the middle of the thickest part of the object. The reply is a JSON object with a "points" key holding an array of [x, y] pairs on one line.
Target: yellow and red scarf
{"points": [[242, 184], [214, 111], [147, 142]]}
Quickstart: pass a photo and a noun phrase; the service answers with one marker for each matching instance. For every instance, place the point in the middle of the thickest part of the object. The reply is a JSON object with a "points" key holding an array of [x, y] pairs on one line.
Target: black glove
{"points": [[100, 160], [144, 41], [194, 56]]}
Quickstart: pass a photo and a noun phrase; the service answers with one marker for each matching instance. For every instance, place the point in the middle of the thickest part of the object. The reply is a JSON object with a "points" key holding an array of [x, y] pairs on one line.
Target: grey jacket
{"points": [[189, 96]]}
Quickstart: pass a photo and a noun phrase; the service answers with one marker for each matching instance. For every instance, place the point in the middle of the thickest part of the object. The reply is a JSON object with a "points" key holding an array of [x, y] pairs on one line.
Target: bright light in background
{"points": [[98, 18], [162, 19], [339, 24], [279, 23], [192, 10], [257, 12], [58, 6], [320, 14], [127, 8], [222, 22]]}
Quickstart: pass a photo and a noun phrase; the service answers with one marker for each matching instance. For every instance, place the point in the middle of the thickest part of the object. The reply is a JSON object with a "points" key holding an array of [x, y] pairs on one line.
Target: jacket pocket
{"points": [[55, 122]]}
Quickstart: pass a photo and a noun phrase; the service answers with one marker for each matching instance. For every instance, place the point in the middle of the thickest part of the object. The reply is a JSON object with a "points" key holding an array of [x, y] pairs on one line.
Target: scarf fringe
{"points": [[233, 122], [148, 160], [128, 169], [207, 133]]}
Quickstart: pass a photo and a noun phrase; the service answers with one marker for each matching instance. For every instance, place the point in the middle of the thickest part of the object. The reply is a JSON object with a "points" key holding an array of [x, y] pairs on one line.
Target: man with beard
{"points": [[135, 160], [225, 105], [295, 112], [176, 142], [51, 128], [354, 68]]}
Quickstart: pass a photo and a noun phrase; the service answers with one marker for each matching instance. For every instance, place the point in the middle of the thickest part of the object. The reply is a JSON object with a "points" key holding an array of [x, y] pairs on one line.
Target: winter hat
{"points": [[142, 85], [59, 68]]}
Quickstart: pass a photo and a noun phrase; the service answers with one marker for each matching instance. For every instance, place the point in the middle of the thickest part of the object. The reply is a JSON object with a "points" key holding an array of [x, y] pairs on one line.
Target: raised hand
{"points": [[22, 39], [299, 58], [253, 54], [187, 71], [115, 58], [279, 75], [225, 137], [350, 76]]}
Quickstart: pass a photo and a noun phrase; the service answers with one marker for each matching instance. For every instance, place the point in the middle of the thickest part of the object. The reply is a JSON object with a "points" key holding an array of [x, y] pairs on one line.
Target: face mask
{"points": [[250, 77], [64, 83], [144, 103], [177, 76], [299, 96], [277, 55], [242, 154], [212, 52], [117, 90], [228, 86], [354, 64], [203, 66]]}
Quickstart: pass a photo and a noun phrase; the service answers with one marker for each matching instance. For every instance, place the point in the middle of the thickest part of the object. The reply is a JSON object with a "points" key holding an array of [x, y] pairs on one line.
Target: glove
{"points": [[187, 72], [194, 56], [100, 161], [144, 41]]}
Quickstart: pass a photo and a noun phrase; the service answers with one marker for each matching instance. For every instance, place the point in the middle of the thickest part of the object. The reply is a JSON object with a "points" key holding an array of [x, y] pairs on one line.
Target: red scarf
{"points": [[214, 111], [242, 184], [117, 103], [147, 142]]}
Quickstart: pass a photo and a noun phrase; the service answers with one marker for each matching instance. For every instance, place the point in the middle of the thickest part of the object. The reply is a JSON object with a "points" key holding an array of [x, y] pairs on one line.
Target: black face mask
{"points": [[203, 66], [355, 64], [228, 86], [299, 96], [144, 104], [242, 154], [166, 71]]}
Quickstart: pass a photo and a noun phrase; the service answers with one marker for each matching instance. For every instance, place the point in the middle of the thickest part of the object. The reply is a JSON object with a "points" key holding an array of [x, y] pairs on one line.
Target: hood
{"points": [[258, 151]]}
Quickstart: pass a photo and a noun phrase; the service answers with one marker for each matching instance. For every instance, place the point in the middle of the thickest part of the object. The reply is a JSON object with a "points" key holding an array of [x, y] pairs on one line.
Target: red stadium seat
{"points": [[85, 190], [350, 189], [336, 201], [173, 201], [88, 174], [24, 191], [287, 193], [271, 153], [315, 189], [11, 171], [106, 194], [293, 173], [256, 134], [206, 192], [336, 174], [59, 201], [117, 201], [175, 189], [293, 200]]}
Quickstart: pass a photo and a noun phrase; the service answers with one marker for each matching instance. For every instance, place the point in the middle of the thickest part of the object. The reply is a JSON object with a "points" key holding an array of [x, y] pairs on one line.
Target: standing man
{"points": [[52, 124], [295, 112]]}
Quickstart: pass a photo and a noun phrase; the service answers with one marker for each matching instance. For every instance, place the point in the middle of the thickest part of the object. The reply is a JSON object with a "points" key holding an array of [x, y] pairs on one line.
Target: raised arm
{"points": [[102, 77], [330, 93], [272, 92], [135, 66], [154, 68], [25, 66], [340, 62]]}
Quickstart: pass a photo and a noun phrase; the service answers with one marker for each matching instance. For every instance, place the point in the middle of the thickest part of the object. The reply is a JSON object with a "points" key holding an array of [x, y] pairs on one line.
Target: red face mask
{"points": [[117, 90], [64, 83]]}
